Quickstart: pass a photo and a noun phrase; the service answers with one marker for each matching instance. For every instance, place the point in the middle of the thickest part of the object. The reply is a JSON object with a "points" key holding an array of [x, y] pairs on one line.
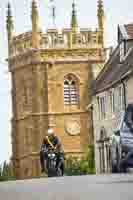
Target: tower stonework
{"points": [[50, 88]]}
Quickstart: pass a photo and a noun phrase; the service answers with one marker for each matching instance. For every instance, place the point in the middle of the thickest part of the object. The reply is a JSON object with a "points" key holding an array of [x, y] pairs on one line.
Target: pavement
{"points": [[100, 187]]}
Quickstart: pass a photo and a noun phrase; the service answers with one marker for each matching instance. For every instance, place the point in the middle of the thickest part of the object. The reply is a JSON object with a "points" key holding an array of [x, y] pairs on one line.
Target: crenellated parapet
{"points": [[55, 39], [20, 44], [84, 38], [67, 38]]}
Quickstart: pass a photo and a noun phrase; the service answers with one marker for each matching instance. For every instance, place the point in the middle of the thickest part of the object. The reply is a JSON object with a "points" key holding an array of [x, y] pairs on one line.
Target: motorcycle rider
{"points": [[51, 141]]}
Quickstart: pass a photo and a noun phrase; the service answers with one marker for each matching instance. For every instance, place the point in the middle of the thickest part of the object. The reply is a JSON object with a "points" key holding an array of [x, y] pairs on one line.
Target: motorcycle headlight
{"points": [[124, 154], [51, 155]]}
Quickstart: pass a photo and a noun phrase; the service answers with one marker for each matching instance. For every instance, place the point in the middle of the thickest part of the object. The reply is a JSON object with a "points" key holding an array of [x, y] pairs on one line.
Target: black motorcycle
{"points": [[54, 170]]}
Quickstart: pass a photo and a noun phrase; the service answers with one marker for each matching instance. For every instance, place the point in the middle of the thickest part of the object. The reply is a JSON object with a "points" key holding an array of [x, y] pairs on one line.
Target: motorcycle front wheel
{"points": [[51, 173], [59, 172]]}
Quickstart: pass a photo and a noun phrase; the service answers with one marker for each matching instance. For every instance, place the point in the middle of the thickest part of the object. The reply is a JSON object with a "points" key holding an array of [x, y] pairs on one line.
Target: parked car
{"points": [[122, 142]]}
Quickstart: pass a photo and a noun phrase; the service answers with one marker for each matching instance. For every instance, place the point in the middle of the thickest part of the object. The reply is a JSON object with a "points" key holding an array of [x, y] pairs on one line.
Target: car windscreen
{"points": [[127, 124]]}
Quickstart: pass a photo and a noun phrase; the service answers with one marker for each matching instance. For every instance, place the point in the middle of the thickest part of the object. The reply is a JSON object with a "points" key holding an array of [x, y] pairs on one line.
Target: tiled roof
{"points": [[129, 30], [113, 72]]}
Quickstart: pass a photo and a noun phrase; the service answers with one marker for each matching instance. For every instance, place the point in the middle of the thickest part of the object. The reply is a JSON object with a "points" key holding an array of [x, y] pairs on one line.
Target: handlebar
{"points": [[44, 149], [48, 149]]}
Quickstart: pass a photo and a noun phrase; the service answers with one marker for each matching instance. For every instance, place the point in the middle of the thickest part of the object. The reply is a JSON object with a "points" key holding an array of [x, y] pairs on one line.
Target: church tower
{"points": [[51, 75]]}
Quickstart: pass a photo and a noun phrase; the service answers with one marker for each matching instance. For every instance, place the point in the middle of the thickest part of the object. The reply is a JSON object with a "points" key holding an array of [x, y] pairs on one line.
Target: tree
{"points": [[81, 166], [6, 172]]}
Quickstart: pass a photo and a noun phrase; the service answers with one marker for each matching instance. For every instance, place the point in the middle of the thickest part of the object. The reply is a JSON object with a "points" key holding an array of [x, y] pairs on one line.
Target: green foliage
{"points": [[6, 172], [83, 166]]}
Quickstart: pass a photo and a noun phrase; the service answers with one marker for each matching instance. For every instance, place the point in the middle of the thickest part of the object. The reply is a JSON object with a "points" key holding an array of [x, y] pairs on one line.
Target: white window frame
{"points": [[102, 106], [122, 51], [121, 97], [112, 101]]}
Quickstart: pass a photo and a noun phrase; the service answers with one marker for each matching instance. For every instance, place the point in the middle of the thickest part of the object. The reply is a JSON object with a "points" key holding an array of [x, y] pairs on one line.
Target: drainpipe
{"points": [[90, 109], [92, 122], [124, 90]]}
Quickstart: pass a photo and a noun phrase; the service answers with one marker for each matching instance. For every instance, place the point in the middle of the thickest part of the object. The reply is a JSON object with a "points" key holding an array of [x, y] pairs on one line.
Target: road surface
{"points": [[101, 187]]}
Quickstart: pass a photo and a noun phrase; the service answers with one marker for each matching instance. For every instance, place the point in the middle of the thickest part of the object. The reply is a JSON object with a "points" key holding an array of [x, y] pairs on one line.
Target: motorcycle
{"points": [[53, 169]]}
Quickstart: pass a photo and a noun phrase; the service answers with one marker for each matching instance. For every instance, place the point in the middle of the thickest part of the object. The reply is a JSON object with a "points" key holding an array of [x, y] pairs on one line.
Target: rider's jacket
{"points": [[53, 142]]}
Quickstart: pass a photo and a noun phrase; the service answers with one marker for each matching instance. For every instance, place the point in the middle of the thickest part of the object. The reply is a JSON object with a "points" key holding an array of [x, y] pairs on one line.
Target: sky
{"points": [[116, 12]]}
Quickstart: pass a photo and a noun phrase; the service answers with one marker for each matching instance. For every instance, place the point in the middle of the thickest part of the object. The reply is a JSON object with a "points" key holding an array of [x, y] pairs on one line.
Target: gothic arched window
{"points": [[71, 90]]}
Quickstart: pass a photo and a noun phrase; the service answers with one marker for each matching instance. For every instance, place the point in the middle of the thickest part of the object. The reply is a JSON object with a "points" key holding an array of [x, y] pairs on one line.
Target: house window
{"points": [[108, 156], [104, 152], [99, 110], [122, 51], [101, 147], [102, 158], [120, 97], [71, 91], [102, 103], [112, 101]]}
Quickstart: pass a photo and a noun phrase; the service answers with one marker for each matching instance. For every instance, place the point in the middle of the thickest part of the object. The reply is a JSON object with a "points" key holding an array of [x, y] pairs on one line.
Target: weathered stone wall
{"points": [[64, 113]]}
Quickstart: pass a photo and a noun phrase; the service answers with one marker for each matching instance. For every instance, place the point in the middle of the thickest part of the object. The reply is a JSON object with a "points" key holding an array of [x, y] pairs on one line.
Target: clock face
{"points": [[72, 127]]}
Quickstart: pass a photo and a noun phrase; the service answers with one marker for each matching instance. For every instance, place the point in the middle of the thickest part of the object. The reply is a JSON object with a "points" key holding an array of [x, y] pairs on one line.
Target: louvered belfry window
{"points": [[71, 96]]}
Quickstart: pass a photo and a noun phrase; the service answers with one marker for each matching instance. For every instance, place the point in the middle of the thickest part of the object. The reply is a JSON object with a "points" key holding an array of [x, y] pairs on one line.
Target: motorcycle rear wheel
{"points": [[59, 172]]}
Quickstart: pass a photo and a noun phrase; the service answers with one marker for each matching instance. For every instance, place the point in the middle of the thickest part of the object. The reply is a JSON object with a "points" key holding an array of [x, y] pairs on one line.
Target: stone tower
{"points": [[51, 74]]}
